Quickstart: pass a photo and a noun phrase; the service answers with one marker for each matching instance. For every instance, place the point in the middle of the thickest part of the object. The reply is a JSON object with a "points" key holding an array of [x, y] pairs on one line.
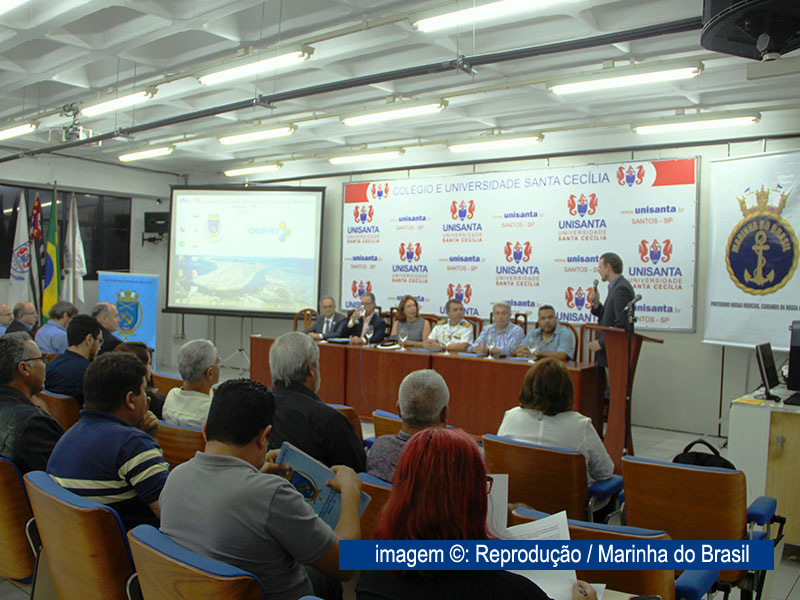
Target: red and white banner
{"points": [[528, 238]]}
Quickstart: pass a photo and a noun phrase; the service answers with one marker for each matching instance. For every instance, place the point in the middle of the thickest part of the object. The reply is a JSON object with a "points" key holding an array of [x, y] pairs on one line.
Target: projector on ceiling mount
{"points": [[72, 133], [757, 29]]}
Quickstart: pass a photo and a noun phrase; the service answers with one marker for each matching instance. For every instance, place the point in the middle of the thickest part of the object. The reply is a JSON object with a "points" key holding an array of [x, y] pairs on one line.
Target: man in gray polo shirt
{"points": [[228, 503]]}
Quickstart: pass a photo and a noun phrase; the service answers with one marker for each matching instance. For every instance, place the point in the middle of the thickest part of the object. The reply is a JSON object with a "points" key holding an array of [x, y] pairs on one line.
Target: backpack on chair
{"points": [[703, 459]]}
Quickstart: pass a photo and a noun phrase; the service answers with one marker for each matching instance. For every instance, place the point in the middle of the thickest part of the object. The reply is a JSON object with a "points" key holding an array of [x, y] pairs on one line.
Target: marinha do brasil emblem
{"points": [[762, 249]]}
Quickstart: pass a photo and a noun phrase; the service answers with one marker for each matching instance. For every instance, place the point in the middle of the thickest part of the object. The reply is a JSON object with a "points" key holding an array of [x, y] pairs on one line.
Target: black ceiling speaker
{"points": [[758, 29]]}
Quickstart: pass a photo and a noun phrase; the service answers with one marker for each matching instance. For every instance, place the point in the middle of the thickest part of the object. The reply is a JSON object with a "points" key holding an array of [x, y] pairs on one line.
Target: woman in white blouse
{"points": [[545, 417]]}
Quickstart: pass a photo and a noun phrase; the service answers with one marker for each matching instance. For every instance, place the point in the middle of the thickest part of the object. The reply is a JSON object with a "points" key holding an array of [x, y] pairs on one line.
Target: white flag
{"points": [[19, 283], [74, 259]]}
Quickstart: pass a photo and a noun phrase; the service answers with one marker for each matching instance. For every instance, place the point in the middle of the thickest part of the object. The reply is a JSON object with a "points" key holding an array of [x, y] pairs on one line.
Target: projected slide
{"points": [[253, 250]]}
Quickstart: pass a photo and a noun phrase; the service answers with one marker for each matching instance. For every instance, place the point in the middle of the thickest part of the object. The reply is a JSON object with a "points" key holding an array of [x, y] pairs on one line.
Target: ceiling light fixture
{"points": [[18, 130], [498, 143], [253, 169], [395, 113], [485, 12], [353, 158], [695, 122], [259, 66], [117, 103], [9, 5], [152, 153], [613, 78], [254, 136]]}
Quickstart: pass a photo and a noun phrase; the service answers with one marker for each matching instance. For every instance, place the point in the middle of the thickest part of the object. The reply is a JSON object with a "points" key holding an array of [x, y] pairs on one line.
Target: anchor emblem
{"points": [[759, 247]]}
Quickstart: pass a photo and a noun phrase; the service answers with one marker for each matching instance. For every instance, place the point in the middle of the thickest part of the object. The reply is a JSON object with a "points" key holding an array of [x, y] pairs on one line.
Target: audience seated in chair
{"points": [[28, 434], [52, 336], [231, 504], [545, 417], [65, 372], [329, 323], [422, 399], [108, 317], [440, 493], [301, 417], [25, 318], [140, 351], [110, 456], [198, 364]]}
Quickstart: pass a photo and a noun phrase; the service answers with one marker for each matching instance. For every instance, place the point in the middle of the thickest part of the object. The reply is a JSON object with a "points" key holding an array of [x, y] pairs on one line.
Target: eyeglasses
{"points": [[489, 484], [42, 358]]}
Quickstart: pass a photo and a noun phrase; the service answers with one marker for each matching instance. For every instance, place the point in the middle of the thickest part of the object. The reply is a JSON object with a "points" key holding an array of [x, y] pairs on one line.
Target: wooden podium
{"points": [[618, 430]]}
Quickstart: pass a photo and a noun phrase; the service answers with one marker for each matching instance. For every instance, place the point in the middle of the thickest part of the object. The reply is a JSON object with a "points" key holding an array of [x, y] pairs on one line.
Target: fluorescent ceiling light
{"points": [[690, 123], [8, 5], [253, 169], [152, 153], [624, 77], [18, 130], [485, 12], [259, 66], [116, 104], [254, 136], [495, 144], [395, 113], [353, 158]]}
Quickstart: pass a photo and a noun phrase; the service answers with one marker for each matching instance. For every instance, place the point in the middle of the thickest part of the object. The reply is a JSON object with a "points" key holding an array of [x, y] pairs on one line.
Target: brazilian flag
{"points": [[52, 266]]}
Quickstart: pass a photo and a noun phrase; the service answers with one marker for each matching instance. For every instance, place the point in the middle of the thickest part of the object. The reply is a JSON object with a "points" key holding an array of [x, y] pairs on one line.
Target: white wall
{"points": [[679, 385]]}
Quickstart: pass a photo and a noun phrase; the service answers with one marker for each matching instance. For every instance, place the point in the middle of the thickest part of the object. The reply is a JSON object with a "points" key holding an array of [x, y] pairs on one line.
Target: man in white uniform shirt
{"points": [[454, 333]]}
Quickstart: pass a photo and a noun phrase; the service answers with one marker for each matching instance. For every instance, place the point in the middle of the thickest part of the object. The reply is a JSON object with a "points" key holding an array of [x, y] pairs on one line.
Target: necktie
{"points": [[327, 327]]}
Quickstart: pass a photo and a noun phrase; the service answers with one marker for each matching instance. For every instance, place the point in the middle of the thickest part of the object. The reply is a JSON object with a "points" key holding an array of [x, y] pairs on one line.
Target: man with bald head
{"points": [[28, 434], [6, 316], [108, 317], [25, 317]]}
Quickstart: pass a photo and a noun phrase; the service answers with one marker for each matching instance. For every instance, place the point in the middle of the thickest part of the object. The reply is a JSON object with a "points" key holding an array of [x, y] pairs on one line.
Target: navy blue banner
{"points": [[538, 555]]}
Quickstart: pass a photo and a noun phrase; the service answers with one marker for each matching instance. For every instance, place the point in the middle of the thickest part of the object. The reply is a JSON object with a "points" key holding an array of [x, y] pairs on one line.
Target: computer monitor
{"points": [[766, 367]]}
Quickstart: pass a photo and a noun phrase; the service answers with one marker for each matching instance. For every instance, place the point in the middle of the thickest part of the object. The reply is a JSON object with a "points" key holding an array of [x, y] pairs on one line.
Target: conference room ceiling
{"points": [[82, 52]]}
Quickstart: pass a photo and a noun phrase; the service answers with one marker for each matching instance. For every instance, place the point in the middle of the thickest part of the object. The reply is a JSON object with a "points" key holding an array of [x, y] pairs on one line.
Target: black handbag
{"points": [[703, 459]]}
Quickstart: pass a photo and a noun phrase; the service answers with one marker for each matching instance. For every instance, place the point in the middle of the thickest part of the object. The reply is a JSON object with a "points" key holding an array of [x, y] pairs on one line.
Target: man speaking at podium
{"points": [[612, 313]]}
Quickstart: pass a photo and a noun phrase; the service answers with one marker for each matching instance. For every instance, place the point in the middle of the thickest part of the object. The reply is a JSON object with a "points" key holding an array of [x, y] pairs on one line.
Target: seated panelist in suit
{"points": [[329, 323], [364, 317]]}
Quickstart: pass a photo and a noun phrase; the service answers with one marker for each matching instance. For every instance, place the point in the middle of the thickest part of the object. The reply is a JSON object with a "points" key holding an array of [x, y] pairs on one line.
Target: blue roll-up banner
{"points": [[136, 299]]}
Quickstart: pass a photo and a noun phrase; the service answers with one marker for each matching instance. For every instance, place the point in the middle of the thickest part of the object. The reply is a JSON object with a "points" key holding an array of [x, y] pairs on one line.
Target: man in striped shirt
{"points": [[110, 456]]}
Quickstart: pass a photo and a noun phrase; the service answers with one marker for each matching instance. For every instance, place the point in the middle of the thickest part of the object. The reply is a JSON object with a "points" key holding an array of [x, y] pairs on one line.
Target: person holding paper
{"points": [[440, 493], [545, 417], [230, 504]]}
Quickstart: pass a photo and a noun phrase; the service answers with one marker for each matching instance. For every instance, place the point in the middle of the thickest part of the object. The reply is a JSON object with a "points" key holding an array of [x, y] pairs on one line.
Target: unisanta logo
{"points": [[410, 252], [630, 177], [579, 298], [459, 292], [363, 215], [582, 206], [462, 210], [655, 252], [518, 252], [360, 288], [377, 192]]}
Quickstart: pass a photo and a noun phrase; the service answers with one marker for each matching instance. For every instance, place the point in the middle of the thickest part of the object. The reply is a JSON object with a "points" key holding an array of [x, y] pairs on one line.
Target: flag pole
{"points": [[74, 242]]}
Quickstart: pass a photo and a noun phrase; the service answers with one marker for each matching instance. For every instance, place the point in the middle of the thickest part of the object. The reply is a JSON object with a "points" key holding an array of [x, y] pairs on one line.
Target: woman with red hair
{"points": [[440, 493]]}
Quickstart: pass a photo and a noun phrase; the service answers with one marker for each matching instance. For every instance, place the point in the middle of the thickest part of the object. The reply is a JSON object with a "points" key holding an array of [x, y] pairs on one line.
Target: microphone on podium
{"points": [[636, 299]]}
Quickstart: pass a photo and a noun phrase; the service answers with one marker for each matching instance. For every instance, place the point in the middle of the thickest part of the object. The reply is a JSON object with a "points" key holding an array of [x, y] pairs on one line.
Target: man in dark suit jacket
{"points": [[356, 327], [612, 313], [24, 319], [329, 324]]}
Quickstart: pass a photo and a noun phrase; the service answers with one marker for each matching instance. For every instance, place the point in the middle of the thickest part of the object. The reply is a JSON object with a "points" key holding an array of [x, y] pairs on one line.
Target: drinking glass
{"points": [[533, 348], [492, 342], [368, 333], [403, 339]]}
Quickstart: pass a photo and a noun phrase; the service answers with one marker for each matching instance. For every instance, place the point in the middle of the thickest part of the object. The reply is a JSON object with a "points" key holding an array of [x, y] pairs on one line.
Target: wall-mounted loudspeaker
{"points": [[156, 222], [758, 29]]}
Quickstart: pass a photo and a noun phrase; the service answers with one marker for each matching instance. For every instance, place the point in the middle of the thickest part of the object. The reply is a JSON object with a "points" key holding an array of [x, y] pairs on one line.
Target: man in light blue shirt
{"points": [[6, 316], [52, 336], [502, 335], [549, 339]]}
